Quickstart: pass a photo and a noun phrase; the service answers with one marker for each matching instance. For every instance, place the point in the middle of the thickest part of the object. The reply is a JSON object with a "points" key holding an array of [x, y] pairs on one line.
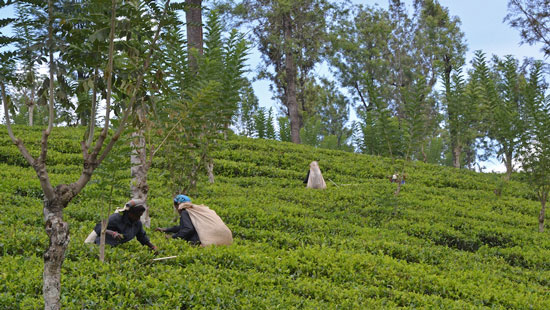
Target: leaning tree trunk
{"points": [[139, 187], [58, 233], [291, 102]]}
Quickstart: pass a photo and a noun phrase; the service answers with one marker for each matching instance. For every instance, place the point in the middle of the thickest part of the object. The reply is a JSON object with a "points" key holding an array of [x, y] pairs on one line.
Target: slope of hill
{"points": [[447, 242]]}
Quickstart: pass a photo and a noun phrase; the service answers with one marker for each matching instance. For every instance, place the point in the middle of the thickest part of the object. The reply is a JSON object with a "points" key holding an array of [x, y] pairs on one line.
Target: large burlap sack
{"points": [[209, 226], [315, 179]]}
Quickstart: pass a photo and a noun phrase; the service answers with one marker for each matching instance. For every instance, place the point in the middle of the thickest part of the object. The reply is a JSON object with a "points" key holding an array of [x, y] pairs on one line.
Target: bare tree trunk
{"points": [[193, 16], [210, 169], [56, 229], [93, 112], [508, 164], [58, 233], [367, 106], [31, 114], [290, 68], [102, 240], [452, 115], [542, 211], [139, 186], [457, 150]]}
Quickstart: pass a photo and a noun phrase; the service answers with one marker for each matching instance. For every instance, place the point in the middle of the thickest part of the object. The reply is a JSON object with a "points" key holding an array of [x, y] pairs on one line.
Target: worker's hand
{"points": [[155, 249], [159, 229], [167, 236], [117, 236]]}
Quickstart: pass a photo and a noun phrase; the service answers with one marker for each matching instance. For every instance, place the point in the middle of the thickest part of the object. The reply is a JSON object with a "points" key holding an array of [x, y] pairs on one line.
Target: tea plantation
{"points": [[447, 241]]}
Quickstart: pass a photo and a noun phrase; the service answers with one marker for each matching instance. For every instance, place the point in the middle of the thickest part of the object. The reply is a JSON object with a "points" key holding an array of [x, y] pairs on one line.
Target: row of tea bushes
{"points": [[447, 242]]}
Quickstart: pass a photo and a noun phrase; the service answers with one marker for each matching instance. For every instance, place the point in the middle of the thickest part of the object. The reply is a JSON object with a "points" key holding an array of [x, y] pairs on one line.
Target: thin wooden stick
{"points": [[163, 258]]}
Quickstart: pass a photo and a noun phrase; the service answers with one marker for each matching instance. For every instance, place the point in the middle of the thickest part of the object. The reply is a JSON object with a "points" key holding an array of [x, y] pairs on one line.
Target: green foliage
{"points": [[310, 134], [109, 187], [503, 91], [290, 36], [247, 107], [263, 125], [270, 128], [453, 244], [284, 129], [379, 132], [260, 123], [7, 55], [199, 108], [535, 149], [324, 103], [383, 57]]}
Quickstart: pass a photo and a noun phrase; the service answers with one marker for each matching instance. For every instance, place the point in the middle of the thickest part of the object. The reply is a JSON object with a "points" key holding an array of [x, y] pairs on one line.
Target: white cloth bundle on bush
{"points": [[209, 226], [315, 179], [91, 237]]}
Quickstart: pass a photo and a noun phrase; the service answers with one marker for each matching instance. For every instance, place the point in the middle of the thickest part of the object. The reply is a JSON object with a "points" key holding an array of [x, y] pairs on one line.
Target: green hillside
{"points": [[452, 244]]}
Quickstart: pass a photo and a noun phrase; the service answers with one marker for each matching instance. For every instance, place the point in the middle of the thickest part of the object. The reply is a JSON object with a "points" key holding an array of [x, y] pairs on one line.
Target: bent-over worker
{"points": [[123, 226], [185, 230]]}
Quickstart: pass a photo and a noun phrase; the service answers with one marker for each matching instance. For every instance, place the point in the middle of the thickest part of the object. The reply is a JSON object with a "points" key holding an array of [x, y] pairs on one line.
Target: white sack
{"points": [[315, 179], [209, 226]]}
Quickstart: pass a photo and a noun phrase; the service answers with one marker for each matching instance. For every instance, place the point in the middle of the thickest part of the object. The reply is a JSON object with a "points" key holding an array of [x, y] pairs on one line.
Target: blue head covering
{"points": [[182, 199]]}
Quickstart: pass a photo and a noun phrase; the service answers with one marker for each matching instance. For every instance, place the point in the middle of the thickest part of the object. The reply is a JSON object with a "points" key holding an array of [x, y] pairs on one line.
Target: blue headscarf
{"points": [[182, 199]]}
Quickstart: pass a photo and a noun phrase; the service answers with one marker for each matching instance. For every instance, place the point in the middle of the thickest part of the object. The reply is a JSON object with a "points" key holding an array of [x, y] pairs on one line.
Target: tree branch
{"points": [[46, 133], [165, 138], [534, 22], [91, 125], [356, 86], [108, 77], [135, 91]]}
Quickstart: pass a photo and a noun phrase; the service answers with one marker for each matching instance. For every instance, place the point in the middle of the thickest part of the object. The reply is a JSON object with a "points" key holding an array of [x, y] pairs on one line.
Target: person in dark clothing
{"points": [[185, 230], [124, 225]]}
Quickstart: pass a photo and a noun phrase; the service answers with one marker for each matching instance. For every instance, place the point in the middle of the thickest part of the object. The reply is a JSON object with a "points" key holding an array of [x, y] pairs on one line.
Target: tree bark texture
{"points": [[104, 223], [31, 105], [452, 115], [508, 164], [93, 111], [58, 233], [193, 16], [210, 169], [139, 187], [290, 94], [31, 115], [457, 150]]}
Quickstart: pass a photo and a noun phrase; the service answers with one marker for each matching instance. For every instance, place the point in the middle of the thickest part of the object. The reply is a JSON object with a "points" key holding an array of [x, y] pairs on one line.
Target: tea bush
{"points": [[447, 241]]}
